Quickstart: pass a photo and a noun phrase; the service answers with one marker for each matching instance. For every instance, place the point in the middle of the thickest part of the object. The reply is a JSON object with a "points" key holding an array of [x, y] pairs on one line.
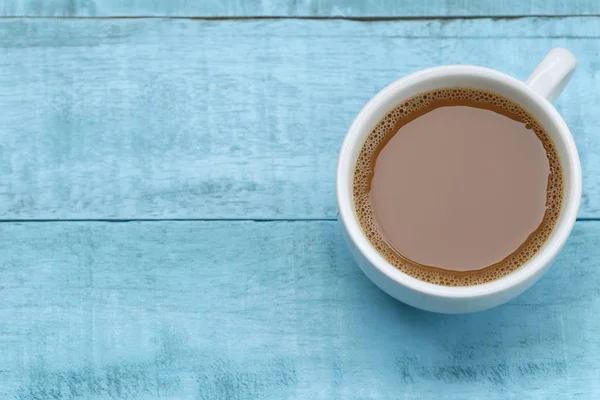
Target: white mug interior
{"points": [[468, 77]]}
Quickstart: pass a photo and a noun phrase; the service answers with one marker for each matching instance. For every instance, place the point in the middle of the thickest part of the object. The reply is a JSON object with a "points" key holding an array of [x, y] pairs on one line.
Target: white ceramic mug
{"points": [[542, 87]]}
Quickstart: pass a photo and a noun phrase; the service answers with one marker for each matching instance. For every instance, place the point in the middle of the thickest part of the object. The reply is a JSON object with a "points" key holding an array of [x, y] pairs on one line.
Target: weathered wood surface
{"points": [[151, 118], [270, 310], [242, 119], [297, 8]]}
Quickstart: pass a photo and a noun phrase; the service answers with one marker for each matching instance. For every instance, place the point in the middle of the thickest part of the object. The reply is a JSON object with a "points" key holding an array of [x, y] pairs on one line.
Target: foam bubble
{"points": [[407, 111]]}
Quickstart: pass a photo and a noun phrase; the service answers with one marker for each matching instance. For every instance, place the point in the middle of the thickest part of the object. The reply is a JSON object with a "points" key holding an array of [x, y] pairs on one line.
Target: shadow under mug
{"points": [[536, 94]]}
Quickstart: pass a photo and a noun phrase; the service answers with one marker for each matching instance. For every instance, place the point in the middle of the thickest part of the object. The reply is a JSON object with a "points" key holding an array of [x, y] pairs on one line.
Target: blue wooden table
{"points": [[168, 213]]}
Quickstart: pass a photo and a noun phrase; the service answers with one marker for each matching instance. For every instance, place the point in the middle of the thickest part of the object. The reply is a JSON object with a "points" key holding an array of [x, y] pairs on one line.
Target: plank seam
{"points": [[126, 220], [315, 18]]}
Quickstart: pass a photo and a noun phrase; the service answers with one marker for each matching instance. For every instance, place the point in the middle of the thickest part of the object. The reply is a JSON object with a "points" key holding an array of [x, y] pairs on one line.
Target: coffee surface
{"points": [[458, 186]]}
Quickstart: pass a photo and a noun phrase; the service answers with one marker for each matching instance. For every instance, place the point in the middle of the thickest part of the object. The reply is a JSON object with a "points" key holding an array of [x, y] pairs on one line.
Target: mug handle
{"points": [[553, 73]]}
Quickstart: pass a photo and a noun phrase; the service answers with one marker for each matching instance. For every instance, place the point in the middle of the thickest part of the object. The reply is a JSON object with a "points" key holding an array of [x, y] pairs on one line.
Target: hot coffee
{"points": [[458, 186]]}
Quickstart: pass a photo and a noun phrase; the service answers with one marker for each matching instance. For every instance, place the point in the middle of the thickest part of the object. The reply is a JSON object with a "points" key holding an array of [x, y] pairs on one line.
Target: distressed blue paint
{"points": [[243, 119], [294, 8], [233, 119], [270, 310]]}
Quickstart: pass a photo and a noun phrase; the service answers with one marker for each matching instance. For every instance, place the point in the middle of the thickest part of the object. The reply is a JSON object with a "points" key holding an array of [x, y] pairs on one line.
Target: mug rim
{"points": [[539, 261]]}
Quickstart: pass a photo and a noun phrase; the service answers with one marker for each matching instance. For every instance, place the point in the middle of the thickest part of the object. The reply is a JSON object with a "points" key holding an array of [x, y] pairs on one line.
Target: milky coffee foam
{"points": [[409, 111]]}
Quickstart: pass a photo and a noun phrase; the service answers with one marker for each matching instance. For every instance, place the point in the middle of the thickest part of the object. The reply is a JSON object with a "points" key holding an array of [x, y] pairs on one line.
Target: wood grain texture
{"points": [[142, 118], [296, 8], [270, 310]]}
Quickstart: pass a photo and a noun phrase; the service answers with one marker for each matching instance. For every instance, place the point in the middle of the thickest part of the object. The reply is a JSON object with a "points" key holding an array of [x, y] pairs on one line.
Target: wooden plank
{"points": [[143, 118], [293, 8], [270, 310]]}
